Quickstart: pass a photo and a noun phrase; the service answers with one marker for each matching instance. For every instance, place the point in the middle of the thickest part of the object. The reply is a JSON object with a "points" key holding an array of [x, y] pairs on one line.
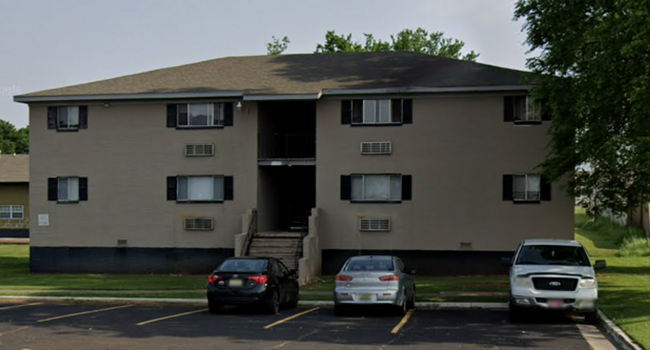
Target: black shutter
{"points": [[544, 189], [407, 117], [83, 117], [396, 111], [507, 188], [171, 188], [407, 187], [346, 187], [357, 111], [83, 188], [51, 117], [508, 108], [52, 188], [228, 114], [346, 112], [228, 188], [172, 115]]}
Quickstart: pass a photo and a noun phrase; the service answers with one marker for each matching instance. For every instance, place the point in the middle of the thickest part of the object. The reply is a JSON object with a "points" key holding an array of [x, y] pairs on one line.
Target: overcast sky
{"points": [[49, 44]]}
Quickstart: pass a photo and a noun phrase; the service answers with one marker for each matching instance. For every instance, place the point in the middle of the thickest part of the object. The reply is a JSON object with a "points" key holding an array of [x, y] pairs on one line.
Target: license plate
{"points": [[555, 304], [235, 283], [365, 297]]}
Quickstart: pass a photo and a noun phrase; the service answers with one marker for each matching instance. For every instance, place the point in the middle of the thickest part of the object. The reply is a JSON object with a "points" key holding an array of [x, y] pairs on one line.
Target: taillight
{"points": [[343, 278], [261, 279], [214, 278], [389, 278]]}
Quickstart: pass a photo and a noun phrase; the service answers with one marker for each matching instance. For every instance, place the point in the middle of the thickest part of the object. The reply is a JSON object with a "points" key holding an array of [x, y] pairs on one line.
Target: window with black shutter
{"points": [[526, 188], [376, 188], [200, 115], [67, 118], [523, 110], [200, 188], [67, 189], [377, 112]]}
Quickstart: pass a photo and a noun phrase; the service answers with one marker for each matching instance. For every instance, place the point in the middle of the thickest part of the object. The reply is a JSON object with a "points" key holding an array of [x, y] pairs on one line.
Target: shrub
{"points": [[634, 246]]}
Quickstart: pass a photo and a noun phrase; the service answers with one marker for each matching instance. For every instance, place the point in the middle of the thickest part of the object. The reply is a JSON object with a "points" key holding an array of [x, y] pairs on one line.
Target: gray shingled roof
{"points": [[301, 74], [14, 168]]}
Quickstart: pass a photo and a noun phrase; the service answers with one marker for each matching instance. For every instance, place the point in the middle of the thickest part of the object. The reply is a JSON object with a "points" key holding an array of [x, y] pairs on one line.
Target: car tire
{"points": [[592, 317], [411, 303], [273, 303], [401, 309], [294, 301], [214, 307]]}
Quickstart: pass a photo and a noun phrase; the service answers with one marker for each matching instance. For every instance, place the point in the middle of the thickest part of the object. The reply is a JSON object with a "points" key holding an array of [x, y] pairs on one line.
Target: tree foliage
{"points": [[13, 140], [418, 40], [277, 46], [595, 81]]}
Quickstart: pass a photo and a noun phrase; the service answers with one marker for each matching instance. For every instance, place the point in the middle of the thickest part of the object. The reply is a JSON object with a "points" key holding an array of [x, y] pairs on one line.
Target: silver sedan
{"points": [[374, 280]]}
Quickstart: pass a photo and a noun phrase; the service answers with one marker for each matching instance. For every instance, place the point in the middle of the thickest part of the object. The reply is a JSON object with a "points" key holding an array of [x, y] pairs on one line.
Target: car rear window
{"points": [[243, 265], [552, 255], [370, 265]]}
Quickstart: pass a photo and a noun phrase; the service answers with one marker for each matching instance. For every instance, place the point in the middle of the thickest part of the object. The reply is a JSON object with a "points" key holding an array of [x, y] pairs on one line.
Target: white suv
{"points": [[553, 275]]}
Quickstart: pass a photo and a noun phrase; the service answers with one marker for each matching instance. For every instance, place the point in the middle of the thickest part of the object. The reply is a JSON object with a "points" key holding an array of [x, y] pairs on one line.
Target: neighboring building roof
{"points": [[14, 168], [303, 74]]}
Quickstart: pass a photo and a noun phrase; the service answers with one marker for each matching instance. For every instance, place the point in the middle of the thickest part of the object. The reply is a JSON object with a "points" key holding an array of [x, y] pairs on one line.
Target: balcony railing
{"points": [[286, 146]]}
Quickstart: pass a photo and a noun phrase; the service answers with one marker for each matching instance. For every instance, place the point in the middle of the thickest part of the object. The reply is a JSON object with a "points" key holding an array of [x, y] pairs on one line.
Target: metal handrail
{"points": [[252, 230], [304, 230], [282, 146]]}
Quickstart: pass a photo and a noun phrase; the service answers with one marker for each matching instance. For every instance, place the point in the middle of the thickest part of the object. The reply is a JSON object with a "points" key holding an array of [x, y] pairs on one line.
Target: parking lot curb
{"points": [[421, 305], [622, 340]]}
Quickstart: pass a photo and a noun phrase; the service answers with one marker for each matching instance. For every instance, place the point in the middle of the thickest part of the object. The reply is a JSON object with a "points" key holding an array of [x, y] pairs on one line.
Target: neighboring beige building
{"points": [[318, 157], [14, 195]]}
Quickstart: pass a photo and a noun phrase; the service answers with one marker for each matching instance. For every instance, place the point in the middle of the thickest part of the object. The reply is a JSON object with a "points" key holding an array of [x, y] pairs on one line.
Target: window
{"points": [[200, 115], [377, 112], [526, 187], [68, 189], [200, 189], [526, 110], [12, 212], [376, 187], [67, 118]]}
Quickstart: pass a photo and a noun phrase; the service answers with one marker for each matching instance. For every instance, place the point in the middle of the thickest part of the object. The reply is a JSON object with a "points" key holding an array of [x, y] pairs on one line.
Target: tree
{"points": [[12, 140], [418, 40], [277, 46], [594, 79]]}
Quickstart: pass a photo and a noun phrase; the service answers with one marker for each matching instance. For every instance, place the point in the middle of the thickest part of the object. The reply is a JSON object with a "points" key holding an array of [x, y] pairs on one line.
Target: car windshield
{"points": [[552, 255], [369, 265], [243, 265]]}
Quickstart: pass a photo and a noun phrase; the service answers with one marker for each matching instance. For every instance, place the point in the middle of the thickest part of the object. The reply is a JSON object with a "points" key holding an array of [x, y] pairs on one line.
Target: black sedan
{"points": [[264, 282]]}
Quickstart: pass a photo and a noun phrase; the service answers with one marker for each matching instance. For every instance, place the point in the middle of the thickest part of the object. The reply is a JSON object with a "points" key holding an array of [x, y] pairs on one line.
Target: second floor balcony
{"points": [[286, 146]]}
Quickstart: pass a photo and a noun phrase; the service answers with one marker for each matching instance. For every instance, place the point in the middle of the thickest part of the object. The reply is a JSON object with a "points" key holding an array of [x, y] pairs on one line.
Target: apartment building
{"points": [[312, 157], [14, 195]]}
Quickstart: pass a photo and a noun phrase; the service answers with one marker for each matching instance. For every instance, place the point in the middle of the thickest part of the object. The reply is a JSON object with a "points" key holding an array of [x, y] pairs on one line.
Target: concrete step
{"points": [[278, 234], [276, 242]]}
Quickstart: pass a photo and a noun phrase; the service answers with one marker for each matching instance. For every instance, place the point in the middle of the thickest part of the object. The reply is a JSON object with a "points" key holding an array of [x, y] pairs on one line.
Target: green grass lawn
{"points": [[14, 274], [625, 285]]}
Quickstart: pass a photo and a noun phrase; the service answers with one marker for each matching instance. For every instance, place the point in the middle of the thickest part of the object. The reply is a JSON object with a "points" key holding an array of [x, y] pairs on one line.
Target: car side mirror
{"points": [[412, 271], [507, 262], [600, 264]]}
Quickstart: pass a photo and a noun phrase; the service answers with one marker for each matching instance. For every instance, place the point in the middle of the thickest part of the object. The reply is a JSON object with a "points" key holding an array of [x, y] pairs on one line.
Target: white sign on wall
{"points": [[43, 219]]}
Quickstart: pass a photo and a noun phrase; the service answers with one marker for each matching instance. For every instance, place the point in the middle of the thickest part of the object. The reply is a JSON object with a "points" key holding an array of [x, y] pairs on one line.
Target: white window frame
{"points": [[526, 192], [365, 121], [69, 113], [532, 111], [189, 180], [12, 210], [211, 115], [363, 188], [70, 190]]}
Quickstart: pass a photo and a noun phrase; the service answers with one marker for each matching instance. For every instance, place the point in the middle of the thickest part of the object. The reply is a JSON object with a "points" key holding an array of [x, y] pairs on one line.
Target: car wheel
{"points": [[273, 304], [411, 302], [403, 308], [591, 317], [214, 307]]}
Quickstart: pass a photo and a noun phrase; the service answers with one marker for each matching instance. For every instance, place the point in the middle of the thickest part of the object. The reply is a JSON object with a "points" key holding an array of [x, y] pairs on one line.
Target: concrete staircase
{"points": [[283, 245]]}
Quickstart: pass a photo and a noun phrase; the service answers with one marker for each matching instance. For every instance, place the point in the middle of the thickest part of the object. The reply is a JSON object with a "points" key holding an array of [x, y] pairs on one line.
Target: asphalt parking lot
{"points": [[129, 326]]}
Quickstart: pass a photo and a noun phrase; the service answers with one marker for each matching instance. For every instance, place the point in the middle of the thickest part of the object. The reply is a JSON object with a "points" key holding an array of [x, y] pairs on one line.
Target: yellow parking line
{"points": [[18, 306], [291, 318], [84, 313], [171, 316], [402, 322]]}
